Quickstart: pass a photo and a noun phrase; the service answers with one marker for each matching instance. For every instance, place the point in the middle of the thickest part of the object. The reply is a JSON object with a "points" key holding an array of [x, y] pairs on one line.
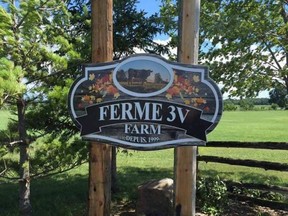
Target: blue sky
{"points": [[149, 6]]}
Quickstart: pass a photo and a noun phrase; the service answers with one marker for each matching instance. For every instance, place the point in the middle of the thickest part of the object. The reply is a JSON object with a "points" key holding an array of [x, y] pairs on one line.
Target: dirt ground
{"points": [[239, 208], [235, 208]]}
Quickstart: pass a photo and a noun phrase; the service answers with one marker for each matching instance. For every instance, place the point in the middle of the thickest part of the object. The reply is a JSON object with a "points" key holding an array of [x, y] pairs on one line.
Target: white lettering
{"points": [[126, 111], [181, 116], [142, 129], [137, 112], [131, 111], [127, 128], [172, 113], [156, 108], [141, 112], [114, 112], [103, 112], [135, 130], [155, 129]]}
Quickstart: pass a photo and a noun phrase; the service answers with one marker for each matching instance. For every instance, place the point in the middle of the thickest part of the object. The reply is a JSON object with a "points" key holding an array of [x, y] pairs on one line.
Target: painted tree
{"points": [[244, 42], [33, 48]]}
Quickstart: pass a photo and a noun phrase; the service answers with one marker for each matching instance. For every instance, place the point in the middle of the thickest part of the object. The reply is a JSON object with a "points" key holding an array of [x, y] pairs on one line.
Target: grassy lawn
{"points": [[249, 126], [66, 194], [252, 126]]}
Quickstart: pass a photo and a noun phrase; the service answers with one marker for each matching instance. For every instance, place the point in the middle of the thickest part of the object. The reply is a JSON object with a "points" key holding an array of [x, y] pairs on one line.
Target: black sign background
{"points": [[193, 124], [146, 79]]}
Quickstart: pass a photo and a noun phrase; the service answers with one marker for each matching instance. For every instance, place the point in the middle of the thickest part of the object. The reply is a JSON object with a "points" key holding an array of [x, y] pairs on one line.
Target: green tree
{"points": [[134, 30], [33, 48], [246, 104], [9, 88], [9, 81], [278, 96], [54, 113], [244, 42], [44, 43], [229, 105]]}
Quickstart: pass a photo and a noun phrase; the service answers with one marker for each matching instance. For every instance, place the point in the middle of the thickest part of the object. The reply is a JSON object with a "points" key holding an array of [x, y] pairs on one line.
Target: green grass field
{"points": [[66, 194], [252, 126]]}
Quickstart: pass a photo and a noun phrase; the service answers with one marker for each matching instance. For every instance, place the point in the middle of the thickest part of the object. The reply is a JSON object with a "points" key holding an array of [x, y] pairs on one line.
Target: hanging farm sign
{"points": [[145, 102]]}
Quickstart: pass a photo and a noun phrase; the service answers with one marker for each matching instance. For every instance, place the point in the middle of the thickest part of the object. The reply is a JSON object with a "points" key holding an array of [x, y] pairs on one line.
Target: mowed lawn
{"points": [[261, 126], [66, 194], [252, 126], [255, 126]]}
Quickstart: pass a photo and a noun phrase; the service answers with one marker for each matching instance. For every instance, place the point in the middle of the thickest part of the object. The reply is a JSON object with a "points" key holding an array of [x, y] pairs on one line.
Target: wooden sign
{"points": [[145, 102]]}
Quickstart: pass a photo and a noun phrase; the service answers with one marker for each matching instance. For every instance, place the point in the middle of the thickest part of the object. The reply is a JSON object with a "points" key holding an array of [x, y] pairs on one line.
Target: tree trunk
{"points": [[25, 208]]}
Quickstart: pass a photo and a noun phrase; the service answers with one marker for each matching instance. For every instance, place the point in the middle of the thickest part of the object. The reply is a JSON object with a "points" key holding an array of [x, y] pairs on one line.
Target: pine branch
{"points": [[5, 168], [50, 173], [27, 14]]}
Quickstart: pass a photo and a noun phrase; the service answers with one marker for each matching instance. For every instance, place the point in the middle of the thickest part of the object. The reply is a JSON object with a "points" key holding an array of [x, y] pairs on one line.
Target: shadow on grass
{"points": [[62, 195], [129, 178], [66, 195]]}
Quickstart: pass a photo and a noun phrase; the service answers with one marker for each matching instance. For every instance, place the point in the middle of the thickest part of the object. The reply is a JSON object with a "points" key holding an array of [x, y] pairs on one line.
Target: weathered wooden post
{"points": [[185, 157], [100, 153]]}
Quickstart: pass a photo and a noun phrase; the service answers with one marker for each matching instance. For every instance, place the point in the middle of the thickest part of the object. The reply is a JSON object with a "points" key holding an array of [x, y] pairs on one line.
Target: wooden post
{"points": [[100, 154], [185, 157]]}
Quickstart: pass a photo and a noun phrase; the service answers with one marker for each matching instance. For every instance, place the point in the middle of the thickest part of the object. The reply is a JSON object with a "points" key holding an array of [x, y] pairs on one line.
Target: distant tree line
{"points": [[255, 101], [232, 104]]}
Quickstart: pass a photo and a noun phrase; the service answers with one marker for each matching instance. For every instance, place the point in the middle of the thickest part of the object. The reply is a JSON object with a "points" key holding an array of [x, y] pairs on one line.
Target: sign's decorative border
{"points": [[140, 83]]}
